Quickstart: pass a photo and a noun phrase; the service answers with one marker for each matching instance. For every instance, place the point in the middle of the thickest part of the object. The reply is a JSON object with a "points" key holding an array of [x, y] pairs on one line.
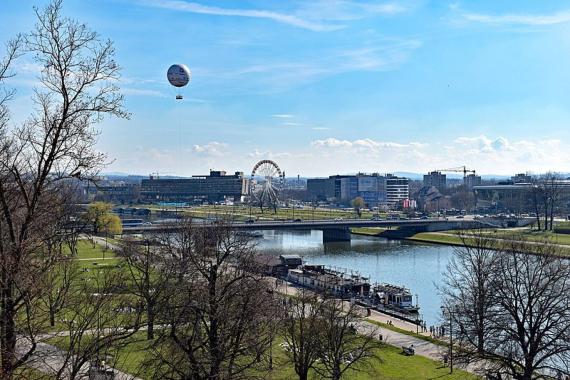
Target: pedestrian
{"points": [[445, 360], [380, 337]]}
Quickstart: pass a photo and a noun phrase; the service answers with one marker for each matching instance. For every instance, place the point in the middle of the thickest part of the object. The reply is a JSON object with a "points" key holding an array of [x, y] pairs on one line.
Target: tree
{"points": [[111, 224], [148, 278], [301, 327], [531, 330], [217, 312], [77, 89], [468, 291], [358, 204], [547, 194], [57, 284], [98, 215], [527, 326], [99, 319], [341, 346]]}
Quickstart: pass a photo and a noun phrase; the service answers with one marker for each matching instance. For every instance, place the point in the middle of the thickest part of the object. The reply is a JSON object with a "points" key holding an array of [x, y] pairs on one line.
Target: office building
{"points": [[321, 189], [471, 181], [436, 179], [397, 190], [521, 178], [215, 187], [344, 188]]}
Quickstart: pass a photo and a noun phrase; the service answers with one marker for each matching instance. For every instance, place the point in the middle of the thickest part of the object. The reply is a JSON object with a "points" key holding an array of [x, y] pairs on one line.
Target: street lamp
{"points": [[444, 310]]}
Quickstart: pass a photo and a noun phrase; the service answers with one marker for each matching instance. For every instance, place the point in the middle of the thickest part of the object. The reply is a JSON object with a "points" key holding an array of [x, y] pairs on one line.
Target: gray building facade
{"points": [[213, 188]]}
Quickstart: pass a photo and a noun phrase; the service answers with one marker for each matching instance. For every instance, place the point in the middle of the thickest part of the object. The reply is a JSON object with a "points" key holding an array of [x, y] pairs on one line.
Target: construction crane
{"points": [[460, 169]]}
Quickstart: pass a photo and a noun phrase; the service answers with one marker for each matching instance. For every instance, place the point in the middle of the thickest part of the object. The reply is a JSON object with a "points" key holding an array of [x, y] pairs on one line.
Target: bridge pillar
{"points": [[336, 234]]}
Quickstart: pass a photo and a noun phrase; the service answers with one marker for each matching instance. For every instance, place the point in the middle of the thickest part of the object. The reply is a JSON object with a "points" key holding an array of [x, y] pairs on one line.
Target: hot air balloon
{"points": [[178, 75]]}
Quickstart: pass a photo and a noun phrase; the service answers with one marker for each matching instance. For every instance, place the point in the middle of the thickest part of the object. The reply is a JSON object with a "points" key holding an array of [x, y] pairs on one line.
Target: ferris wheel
{"points": [[266, 191]]}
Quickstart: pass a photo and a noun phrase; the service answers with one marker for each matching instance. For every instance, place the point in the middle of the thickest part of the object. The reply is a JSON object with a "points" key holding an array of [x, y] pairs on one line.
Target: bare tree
{"points": [[547, 194], [531, 332], [57, 286], [553, 193], [77, 88], [217, 322], [525, 330], [468, 292], [99, 318], [148, 277], [341, 346], [301, 327]]}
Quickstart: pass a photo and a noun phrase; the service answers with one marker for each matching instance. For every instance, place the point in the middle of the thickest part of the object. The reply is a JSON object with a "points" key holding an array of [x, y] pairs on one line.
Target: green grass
{"points": [[27, 373], [391, 366], [371, 231], [87, 250]]}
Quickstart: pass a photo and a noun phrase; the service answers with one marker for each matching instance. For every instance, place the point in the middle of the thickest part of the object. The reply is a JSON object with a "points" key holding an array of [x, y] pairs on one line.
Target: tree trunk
{"points": [[150, 320], [552, 202], [537, 212], [8, 333], [336, 372], [51, 316], [213, 336]]}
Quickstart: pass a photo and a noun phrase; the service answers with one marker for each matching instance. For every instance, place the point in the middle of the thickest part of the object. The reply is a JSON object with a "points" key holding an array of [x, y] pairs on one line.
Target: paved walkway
{"points": [[49, 359], [422, 347]]}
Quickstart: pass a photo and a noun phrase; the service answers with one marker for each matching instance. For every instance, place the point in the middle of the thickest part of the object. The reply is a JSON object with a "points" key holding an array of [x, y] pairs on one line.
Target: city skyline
{"points": [[330, 87]]}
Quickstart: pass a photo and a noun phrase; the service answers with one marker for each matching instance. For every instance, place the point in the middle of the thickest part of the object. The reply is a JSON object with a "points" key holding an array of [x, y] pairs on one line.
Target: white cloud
{"points": [[482, 153], [284, 18], [344, 10], [485, 154], [520, 19], [282, 116], [141, 92], [382, 55], [213, 148]]}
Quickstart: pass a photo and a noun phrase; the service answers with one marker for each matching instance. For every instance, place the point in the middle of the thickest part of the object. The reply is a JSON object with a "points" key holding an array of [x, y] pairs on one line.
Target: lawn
{"points": [[88, 250], [371, 231], [391, 366]]}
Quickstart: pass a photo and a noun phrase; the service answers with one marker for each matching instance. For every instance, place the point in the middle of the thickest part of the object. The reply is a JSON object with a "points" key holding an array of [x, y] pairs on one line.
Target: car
{"points": [[424, 217], [338, 219], [298, 220], [249, 221]]}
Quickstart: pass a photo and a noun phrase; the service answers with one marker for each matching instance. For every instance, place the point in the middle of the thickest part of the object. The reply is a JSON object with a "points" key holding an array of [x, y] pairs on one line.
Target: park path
{"points": [[421, 347], [49, 359], [101, 241]]}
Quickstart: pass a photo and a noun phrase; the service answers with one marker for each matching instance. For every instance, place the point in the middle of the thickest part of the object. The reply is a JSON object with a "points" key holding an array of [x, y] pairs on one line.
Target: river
{"points": [[419, 267]]}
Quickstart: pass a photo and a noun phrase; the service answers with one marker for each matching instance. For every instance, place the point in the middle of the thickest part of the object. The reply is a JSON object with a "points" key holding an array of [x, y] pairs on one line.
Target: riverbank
{"points": [[453, 238]]}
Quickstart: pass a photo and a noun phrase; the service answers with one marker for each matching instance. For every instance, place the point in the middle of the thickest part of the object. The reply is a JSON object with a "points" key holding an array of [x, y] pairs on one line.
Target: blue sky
{"points": [[327, 86]]}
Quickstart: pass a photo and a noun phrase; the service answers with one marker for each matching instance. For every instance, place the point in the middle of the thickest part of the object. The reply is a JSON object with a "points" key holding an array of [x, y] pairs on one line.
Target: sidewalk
{"points": [[422, 347]]}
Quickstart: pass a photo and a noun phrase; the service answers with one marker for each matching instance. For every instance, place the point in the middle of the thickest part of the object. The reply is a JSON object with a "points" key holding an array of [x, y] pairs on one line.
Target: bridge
{"points": [[339, 230]]}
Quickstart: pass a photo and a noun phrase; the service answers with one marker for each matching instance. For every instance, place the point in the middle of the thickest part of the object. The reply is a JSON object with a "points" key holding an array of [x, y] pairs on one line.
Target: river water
{"points": [[418, 267]]}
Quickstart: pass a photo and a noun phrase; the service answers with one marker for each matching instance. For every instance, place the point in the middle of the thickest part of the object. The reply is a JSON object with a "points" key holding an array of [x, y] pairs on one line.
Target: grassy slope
{"points": [[391, 366], [452, 237]]}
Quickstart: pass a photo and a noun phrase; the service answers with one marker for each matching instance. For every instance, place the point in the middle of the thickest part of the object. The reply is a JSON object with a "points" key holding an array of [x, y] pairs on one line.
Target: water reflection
{"points": [[415, 266]]}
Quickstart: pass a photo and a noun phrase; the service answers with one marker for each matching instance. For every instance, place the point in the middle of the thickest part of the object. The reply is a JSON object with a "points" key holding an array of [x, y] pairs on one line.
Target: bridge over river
{"points": [[339, 230]]}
